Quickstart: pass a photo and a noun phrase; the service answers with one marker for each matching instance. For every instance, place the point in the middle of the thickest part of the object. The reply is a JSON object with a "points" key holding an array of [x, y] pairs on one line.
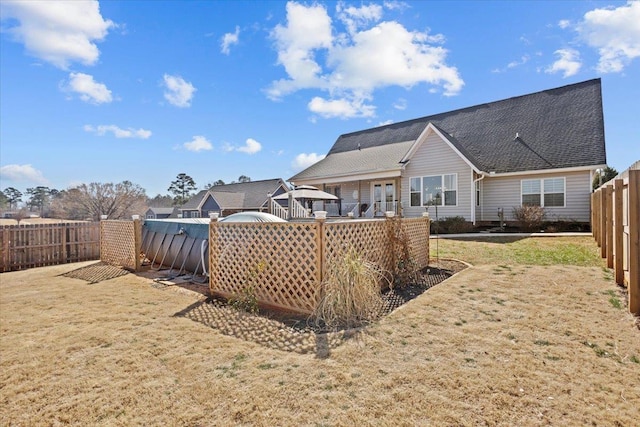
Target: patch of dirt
{"points": [[298, 333]]}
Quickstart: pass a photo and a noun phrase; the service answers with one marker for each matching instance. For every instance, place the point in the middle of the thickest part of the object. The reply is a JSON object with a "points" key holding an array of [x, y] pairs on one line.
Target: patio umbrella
{"points": [[306, 192]]}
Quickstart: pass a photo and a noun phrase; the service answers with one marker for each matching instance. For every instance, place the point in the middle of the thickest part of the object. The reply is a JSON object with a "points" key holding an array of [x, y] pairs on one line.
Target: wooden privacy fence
{"points": [[121, 243], [39, 245], [283, 264], [615, 221]]}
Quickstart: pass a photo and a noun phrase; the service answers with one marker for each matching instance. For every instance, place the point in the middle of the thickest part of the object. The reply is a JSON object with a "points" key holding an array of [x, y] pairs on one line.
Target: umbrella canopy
{"points": [[306, 192]]}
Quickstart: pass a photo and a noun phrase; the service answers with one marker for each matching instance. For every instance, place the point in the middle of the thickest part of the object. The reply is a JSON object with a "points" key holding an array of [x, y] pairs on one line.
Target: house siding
{"points": [[209, 205], [504, 192], [436, 157]]}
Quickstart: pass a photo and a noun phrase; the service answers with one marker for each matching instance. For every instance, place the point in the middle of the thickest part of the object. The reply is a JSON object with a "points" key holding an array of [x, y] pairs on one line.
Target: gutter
{"points": [[473, 192]]}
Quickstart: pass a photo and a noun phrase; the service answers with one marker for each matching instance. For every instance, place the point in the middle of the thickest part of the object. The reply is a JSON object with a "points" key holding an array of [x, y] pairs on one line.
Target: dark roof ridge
{"points": [[463, 109]]}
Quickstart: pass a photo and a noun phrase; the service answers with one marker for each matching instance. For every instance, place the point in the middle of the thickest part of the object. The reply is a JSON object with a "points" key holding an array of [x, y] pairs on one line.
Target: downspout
{"points": [[473, 208]]}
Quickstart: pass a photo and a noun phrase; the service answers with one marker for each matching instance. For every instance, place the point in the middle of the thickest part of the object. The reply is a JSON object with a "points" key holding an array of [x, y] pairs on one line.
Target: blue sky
{"points": [[144, 90]]}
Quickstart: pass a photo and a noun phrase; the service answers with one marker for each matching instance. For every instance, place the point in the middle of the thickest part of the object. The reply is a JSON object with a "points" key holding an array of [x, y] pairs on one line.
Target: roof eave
{"points": [[430, 128]]}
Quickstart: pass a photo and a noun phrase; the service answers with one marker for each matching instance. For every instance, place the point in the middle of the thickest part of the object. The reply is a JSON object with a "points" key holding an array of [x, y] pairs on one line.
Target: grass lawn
{"points": [[516, 340], [571, 250]]}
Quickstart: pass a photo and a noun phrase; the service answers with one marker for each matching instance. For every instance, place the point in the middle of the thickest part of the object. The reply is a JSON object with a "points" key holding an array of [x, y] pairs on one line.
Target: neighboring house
{"points": [[232, 198], [537, 149], [161, 213]]}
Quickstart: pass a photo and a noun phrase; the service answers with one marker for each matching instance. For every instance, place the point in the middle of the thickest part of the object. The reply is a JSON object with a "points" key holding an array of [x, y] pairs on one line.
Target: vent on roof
{"points": [[517, 138]]}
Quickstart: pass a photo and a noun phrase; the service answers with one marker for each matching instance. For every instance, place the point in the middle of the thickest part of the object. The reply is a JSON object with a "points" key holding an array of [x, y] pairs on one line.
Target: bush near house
{"points": [[529, 218], [451, 225]]}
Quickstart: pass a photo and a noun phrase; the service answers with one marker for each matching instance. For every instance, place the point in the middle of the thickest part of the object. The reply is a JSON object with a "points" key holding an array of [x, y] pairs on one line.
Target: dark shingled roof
{"points": [[557, 128], [241, 195]]}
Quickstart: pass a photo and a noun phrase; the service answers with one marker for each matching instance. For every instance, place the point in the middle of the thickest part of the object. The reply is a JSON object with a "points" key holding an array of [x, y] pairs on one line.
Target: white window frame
{"points": [[444, 189], [543, 192]]}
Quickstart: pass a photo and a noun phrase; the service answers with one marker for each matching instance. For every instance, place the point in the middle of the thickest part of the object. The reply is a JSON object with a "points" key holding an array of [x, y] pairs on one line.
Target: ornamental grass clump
{"points": [[351, 292]]}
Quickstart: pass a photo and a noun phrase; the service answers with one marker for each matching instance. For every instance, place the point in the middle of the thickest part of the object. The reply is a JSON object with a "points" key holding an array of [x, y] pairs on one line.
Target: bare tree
{"points": [[117, 201], [161, 201]]}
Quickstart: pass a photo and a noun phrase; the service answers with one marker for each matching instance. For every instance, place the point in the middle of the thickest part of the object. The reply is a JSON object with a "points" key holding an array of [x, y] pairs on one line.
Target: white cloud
{"points": [[59, 32], [228, 40], [513, 64], [564, 23], [303, 160], [615, 33], [357, 62], [396, 5], [568, 62], [400, 104], [342, 108], [198, 143], [308, 29], [523, 60], [386, 122], [118, 132], [22, 173], [178, 92], [251, 146], [358, 17], [89, 90]]}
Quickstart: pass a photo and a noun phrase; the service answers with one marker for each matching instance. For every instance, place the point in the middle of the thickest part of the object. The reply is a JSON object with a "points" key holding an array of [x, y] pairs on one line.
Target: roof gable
{"points": [[556, 128]]}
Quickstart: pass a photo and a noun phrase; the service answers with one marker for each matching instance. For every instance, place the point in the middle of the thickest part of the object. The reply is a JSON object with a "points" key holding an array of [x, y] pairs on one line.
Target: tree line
{"points": [[91, 201]]}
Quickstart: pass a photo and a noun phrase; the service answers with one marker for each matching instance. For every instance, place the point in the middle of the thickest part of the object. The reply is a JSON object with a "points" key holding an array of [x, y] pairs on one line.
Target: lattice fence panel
{"points": [[417, 231], [120, 243], [281, 261], [369, 238]]}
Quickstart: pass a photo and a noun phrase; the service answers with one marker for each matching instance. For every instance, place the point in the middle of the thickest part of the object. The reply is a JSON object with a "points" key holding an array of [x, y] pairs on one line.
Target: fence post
{"points": [[5, 233], [618, 232], [322, 251], [63, 242], [596, 217], [634, 241], [137, 236], [214, 253], [609, 236], [603, 223], [425, 215]]}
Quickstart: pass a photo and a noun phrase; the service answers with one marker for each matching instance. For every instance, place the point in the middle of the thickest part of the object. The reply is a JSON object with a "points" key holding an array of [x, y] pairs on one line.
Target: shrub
{"points": [[530, 218], [247, 300], [351, 292], [451, 225], [406, 269]]}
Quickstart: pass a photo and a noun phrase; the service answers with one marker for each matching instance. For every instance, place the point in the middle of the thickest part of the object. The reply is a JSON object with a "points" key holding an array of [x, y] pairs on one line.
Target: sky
{"points": [[144, 90]]}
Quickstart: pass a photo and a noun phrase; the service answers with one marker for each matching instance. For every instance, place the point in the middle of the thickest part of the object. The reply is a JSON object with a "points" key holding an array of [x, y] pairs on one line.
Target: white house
{"points": [[537, 149]]}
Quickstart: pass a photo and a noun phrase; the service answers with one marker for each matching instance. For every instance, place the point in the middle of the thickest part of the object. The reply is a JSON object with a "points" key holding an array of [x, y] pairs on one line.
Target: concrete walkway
{"points": [[487, 235]]}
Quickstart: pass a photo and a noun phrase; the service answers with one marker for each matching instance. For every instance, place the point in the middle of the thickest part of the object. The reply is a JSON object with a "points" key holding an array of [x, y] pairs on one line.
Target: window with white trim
{"points": [[434, 190], [548, 192]]}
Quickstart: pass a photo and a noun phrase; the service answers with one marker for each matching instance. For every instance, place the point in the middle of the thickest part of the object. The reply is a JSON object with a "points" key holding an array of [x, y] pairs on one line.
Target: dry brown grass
{"points": [[494, 345]]}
